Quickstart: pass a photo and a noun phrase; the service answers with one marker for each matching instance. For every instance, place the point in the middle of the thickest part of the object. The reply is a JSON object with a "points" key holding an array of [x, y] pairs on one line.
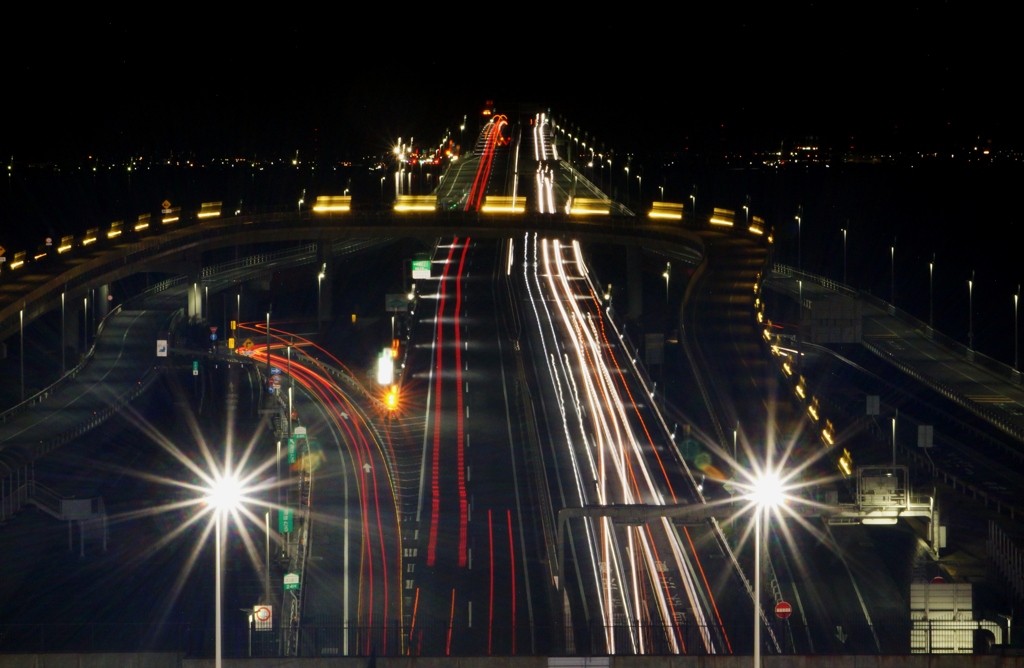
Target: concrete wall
{"points": [[159, 660], [126, 660]]}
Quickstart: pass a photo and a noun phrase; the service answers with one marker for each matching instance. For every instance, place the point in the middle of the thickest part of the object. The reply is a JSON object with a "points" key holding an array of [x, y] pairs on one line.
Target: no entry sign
{"points": [[783, 610]]}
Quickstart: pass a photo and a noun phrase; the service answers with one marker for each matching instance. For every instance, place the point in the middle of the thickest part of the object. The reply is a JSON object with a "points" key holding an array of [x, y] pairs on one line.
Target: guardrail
{"points": [[922, 462], [44, 393], [190, 232], [971, 356]]}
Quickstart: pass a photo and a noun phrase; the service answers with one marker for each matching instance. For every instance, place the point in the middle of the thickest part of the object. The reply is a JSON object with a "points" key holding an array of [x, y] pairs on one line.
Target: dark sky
{"points": [[640, 79]]}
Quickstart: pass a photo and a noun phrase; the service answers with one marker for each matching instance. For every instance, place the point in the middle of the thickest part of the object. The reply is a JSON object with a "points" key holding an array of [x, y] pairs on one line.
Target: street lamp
{"points": [[766, 493], [319, 302], [844, 257], [225, 496], [970, 312], [931, 293], [799, 239], [667, 273], [1016, 298], [892, 274]]}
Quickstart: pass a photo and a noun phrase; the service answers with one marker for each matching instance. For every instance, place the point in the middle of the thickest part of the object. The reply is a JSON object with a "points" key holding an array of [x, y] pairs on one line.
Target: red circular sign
{"points": [[783, 610], [262, 613], [938, 580]]}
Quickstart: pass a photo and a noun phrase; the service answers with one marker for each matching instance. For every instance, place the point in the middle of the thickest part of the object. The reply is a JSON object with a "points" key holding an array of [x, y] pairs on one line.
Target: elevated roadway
{"points": [[37, 287], [987, 388]]}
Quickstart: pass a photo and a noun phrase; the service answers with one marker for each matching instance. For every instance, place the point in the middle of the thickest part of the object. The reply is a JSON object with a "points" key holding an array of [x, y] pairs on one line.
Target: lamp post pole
{"points": [[970, 312], [1016, 298], [218, 519], [757, 586], [844, 257], [799, 237], [931, 293], [63, 331], [21, 356], [892, 274]]}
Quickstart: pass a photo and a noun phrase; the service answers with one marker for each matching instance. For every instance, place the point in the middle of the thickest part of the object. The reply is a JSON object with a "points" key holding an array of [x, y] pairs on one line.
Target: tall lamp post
{"points": [[225, 496], [892, 274], [970, 312], [799, 238], [667, 273], [766, 493], [844, 257], [319, 303], [1016, 298], [931, 292]]}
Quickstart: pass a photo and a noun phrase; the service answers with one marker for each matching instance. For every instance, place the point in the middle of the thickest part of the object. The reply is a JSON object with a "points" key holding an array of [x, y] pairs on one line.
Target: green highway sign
{"points": [[420, 269], [285, 520], [291, 581], [292, 450]]}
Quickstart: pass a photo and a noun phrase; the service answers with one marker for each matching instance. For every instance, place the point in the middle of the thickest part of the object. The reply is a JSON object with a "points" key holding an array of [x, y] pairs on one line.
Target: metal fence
{"points": [[333, 638]]}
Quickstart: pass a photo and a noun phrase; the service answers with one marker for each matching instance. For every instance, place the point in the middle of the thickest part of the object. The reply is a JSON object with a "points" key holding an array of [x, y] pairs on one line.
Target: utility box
{"points": [[942, 619]]}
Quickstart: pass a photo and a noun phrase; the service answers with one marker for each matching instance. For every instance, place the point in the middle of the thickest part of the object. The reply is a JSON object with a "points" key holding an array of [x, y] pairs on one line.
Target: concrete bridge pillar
{"points": [[195, 297], [325, 279], [74, 321], [634, 283], [102, 302]]}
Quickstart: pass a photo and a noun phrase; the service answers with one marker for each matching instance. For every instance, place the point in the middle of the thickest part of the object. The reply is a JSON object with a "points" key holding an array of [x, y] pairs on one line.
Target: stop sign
{"points": [[783, 610]]}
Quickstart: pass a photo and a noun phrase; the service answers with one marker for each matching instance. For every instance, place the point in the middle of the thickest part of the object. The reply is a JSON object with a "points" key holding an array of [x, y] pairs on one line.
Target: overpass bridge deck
{"points": [[985, 387]]}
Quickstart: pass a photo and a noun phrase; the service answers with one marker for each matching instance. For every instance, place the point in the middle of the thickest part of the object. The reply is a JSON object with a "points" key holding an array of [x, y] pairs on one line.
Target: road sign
{"points": [[274, 371], [300, 432], [161, 347], [195, 367], [292, 450], [873, 404], [285, 520], [213, 330], [420, 269], [291, 581], [396, 303], [213, 337], [263, 617], [925, 435], [783, 610]]}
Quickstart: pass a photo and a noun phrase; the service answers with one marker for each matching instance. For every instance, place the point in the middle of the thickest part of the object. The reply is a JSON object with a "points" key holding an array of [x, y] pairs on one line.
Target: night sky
{"points": [[351, 84]]}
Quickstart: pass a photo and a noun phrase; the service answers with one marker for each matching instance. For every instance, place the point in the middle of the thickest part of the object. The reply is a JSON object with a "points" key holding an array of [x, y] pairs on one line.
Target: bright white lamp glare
{"points": [[226, 493], [767, 491]]}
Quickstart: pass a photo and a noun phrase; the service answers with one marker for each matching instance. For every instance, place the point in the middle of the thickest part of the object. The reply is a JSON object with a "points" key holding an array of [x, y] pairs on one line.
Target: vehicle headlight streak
{"points": [[605, 428], [549, 357], [589, 356]]}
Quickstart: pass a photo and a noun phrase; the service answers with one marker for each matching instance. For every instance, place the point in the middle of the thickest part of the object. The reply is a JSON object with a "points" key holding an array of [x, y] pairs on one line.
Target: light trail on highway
{"points": [[649, 580], [379, 601], [492, 139]]}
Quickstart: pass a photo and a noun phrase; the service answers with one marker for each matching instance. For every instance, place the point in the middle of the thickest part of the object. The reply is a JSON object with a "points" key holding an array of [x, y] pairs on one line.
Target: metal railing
{"points": [[1004, 371], [328, 639], [44, 393], [1007, 557]]}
